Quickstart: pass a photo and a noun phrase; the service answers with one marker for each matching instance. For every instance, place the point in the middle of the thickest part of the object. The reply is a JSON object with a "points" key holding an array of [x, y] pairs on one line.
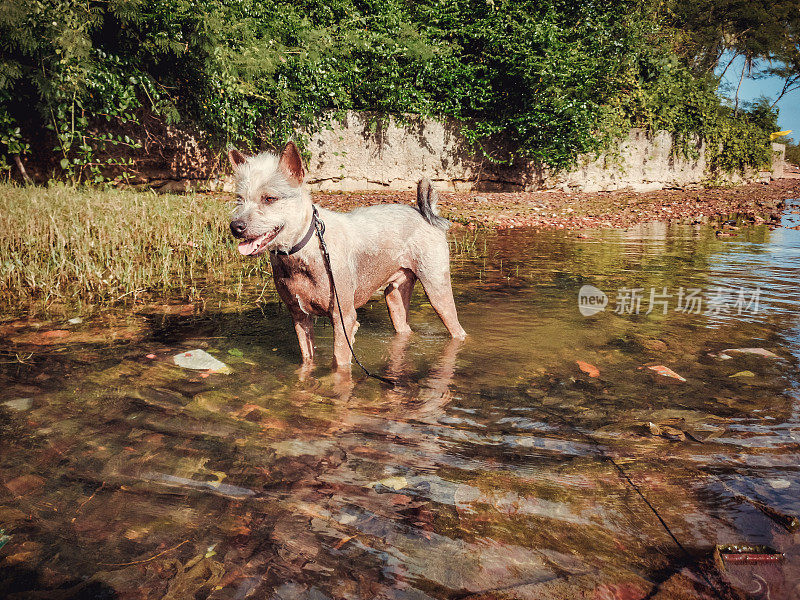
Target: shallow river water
{"points": [[540, 458]]}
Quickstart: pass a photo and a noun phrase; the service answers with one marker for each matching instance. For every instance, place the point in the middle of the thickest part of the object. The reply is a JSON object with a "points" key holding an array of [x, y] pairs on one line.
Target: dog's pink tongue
{"points": [[250, 246]]}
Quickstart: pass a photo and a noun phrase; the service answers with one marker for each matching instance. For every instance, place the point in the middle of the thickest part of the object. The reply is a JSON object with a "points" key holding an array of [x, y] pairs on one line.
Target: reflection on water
{"points": [[495, 468]]}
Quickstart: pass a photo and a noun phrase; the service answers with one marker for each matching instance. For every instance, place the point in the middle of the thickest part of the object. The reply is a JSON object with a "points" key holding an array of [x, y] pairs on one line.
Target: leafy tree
{"points": [[560, 77], [766, 33], [50, 61]]}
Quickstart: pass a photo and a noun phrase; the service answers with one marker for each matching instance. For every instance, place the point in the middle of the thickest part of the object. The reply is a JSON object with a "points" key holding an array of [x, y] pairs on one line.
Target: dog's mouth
{"points": [[257, 245]]}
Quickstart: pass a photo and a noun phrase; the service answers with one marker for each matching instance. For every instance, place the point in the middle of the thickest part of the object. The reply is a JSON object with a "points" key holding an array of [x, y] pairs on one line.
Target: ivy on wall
{"points": [[559, 77]]}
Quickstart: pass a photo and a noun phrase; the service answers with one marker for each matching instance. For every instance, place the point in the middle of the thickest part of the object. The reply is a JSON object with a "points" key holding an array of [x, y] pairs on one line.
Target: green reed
{"points": [[464, 242], [64, 246], [68, 247]]}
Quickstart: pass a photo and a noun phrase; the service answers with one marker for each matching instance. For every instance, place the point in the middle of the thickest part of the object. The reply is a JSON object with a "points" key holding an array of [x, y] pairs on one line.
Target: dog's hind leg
{"points": [[304, 328], [398, 297], [436, 282]]}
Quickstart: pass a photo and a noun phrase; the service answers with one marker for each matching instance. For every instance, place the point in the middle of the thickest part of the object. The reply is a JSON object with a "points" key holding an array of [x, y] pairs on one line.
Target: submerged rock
{"points": [[666, 372], [744, 374], [200, 360], [19, 404], [757, 351]]}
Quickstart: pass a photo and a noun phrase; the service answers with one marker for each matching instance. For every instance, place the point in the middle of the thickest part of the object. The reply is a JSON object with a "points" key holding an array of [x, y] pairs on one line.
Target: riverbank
{"points": [[563, 210], [84, 246], [65, 246]]}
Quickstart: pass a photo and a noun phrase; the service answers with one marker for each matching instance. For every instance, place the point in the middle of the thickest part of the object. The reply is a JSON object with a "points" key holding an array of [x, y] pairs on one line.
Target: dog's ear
{"points": [[291, 163], [237, 158]]}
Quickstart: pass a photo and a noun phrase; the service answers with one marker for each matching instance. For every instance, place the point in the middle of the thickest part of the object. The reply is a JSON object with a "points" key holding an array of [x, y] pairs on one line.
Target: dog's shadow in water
{"points": [[268, 326]]}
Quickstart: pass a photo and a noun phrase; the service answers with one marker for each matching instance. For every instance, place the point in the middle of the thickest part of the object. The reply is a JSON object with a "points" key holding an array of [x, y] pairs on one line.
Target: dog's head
{"points": [[272, 205]]}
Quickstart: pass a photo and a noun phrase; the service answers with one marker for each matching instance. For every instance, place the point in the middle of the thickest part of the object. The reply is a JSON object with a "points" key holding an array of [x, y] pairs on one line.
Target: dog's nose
{"points": [[238, 227]]}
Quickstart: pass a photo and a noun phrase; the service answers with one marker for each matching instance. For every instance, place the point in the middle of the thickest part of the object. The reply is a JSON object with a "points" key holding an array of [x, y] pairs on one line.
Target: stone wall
{"points": [[363, 152], [778, 161]]}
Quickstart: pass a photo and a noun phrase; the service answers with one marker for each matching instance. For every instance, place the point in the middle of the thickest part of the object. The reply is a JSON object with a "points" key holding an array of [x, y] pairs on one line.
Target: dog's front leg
{"points": [[304, 328], [341, 350]]}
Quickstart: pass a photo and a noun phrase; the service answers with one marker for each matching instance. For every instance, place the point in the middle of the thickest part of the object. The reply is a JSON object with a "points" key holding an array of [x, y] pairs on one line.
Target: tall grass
{"points": [[64, 245]]}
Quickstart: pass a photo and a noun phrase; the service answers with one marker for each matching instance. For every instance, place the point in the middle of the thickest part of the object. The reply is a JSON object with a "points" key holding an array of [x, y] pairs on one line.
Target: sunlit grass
{"points": [[66, 246]]}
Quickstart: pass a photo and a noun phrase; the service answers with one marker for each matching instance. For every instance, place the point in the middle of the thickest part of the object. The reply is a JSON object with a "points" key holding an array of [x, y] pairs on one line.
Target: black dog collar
{"points": [[309, 234]]}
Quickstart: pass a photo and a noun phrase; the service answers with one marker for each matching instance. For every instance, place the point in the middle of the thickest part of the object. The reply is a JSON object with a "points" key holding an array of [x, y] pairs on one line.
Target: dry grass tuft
{"points": [[65, 246]]}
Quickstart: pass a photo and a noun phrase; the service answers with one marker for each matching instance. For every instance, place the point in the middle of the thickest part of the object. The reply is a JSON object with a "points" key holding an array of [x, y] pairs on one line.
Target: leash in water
{"points": [[319, 226], [626, 478]]}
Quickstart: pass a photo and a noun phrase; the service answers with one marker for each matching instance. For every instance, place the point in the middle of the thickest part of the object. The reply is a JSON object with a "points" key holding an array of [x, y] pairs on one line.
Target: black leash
{"points": [[319, 226], [626, 478]]}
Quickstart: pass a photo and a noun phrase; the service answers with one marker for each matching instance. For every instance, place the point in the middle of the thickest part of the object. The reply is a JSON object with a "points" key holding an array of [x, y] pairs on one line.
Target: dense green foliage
{"points": [[750, 28], [766, 33], [561, 77]]}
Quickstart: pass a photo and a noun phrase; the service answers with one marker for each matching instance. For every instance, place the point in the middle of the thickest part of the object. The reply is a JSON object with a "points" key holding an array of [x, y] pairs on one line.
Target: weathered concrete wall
{"points": [[363, 152], [778, 161], [642, 162]]}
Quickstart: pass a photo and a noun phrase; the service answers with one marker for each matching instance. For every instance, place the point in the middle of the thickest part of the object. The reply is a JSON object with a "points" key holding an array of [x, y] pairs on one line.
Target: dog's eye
{"points": [[268, 199]]}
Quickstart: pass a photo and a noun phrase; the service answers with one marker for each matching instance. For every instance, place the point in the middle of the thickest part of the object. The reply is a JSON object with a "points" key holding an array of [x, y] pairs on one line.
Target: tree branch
{"points": [[738, 87], [25, 177], [730, 62], [789, 85]]}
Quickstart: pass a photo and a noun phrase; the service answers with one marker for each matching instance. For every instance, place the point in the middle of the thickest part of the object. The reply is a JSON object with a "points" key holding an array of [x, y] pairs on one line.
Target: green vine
{"points": [[559, 78]]}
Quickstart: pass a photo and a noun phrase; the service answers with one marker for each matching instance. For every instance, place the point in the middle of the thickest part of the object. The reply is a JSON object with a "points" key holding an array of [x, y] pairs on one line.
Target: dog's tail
{"points": [[426, 202]]}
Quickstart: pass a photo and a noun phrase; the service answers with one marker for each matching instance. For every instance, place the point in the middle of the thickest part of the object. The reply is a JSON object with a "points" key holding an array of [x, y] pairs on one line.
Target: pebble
{"points": [[779, 484], [19, 404]]}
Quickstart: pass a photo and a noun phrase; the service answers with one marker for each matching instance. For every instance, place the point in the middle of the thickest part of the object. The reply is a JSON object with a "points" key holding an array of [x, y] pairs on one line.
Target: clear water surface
{"points": [[495, 468]]}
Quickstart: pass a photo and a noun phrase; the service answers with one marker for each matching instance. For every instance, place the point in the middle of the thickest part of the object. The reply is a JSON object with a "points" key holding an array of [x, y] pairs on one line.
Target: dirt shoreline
{"points": [[567, 210]]}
